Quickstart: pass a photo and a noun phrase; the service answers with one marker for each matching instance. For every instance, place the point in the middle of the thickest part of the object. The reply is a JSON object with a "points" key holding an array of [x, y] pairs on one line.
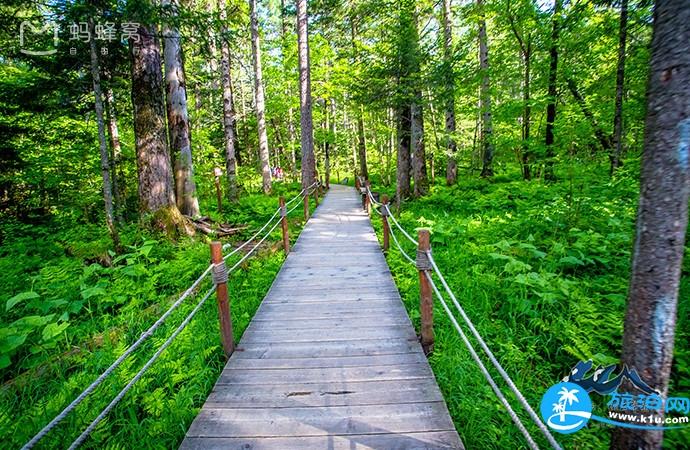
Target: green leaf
{"points": [[19, 298], [92, 292], [53, 329], [10, 339], [5, 361], [571, 260]]}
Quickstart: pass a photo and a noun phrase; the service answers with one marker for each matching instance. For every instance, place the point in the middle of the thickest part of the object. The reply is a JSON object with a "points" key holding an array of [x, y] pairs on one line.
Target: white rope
{"points": [[82, 437], [402, 230], [492, 358], [395, 239], [482, 367], [60, 417]]}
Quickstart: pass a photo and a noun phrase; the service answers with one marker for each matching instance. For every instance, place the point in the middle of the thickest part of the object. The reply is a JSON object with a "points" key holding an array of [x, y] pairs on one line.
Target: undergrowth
{"points": [[71, 307], [542, 270]]}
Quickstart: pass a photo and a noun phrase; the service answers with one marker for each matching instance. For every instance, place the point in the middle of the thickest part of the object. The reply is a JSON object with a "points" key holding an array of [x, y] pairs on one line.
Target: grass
{"points": [[542, 270], [106, 303]]}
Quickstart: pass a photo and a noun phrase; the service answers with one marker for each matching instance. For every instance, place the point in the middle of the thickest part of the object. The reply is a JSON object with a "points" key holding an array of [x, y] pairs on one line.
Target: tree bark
{"points": [[153, 159], [291, 144], [449, 78], [259, 99], [102, 143], [306, 121], [228, 108], [116, 152], [361, 140], [178, 118], [662, 215], [617, 150], [526, 52], [485, 97], [549, 174]]}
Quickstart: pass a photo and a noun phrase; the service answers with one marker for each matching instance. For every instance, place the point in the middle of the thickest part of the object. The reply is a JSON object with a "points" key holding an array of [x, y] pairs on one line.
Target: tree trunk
{"points": [[228, 108], [116, 160], [306, 122], [662, 215], [602, 137], [259, 99], [617, 150], [549, 174], [421, 183], [178, 118], [361, 144], [485, 97], [156, 194], [291, 145], [527, 113], [449, 78], [102, 144], [404, 122]]}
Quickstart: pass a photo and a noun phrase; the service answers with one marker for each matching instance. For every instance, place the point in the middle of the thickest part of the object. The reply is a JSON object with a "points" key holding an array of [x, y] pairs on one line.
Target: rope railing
{"points": [[220, 275], [426, 255]]}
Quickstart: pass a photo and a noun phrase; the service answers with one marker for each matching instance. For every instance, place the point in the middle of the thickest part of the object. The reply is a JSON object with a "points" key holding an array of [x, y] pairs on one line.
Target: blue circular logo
{"points": [[566, 407]]}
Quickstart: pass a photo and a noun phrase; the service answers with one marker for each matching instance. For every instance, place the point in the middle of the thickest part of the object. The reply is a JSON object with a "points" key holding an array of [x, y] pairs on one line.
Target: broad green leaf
{"points": [[53, 329], [19, 298]]}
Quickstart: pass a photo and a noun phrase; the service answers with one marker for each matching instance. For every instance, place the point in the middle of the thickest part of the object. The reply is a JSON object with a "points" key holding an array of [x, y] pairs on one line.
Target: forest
{"points": [[544, 143]]}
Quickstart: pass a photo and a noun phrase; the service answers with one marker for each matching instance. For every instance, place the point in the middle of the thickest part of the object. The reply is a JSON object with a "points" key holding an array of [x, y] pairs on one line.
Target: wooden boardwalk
{"points": [[330, 361]]}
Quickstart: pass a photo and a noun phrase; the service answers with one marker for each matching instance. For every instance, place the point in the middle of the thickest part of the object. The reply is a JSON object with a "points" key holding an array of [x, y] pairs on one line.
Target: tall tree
{"points": [[662, 215], [116, 153], [406, 54], [449, 93], [549, 174], [306, 121], [524, 39], [102, 144], [156, 194], [617, 149], [485, 96], [361, 139], [229, 125], [178, 118], [259, 100], [421, 182]]}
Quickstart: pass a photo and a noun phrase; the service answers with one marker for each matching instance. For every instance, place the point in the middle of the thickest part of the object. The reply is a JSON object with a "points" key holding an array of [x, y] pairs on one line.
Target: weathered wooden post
{"points": [[367, 200], [218, 172], [220, 278], [316, 195], [305, 200], [357, 186], [426, 302], [384, 218], [284, 225]]}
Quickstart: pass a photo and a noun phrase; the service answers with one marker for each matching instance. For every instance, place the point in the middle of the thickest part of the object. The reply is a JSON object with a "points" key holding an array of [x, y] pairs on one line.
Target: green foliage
{"points": [[542, 270]]}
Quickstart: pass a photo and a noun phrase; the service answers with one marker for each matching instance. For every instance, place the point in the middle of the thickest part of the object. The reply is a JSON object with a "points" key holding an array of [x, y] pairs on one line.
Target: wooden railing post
{"points": [[305, 200], [316, 196], [284, 225], [220, 277], [357, 186], [426, 302], [367, 200], [384, 218]]}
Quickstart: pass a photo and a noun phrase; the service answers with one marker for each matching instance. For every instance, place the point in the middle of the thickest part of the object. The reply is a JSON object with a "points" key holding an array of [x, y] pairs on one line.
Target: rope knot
{"points": [[283, 211], [219, 273], [423, 262], [384, 210]]}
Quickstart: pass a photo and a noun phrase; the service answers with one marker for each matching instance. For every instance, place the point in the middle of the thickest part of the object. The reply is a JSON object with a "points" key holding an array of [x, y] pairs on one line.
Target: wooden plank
{"points": [[327, 361], [330, 323], [400, 441], [323, 394], [331, 334], [335, 374], [340, 420], [324, 349]]}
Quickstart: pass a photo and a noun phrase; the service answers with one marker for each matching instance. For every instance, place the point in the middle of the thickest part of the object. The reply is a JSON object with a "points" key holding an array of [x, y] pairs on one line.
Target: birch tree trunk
{"points": [[102, 143], [549, 174], [178, 118], [662, 215], [116, 152], [259, 99], [617, 149], [228, 108], [306, 121], [156, 194], [485, 97], [449, 78]]}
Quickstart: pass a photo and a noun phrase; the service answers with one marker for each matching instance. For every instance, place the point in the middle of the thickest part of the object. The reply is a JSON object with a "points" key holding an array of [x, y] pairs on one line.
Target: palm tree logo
{"points": [[566, 397], [566, 407]]}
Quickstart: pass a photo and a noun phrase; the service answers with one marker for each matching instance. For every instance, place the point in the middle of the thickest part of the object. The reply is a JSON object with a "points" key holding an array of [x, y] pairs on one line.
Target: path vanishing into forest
{"points": [[330, 359]]}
